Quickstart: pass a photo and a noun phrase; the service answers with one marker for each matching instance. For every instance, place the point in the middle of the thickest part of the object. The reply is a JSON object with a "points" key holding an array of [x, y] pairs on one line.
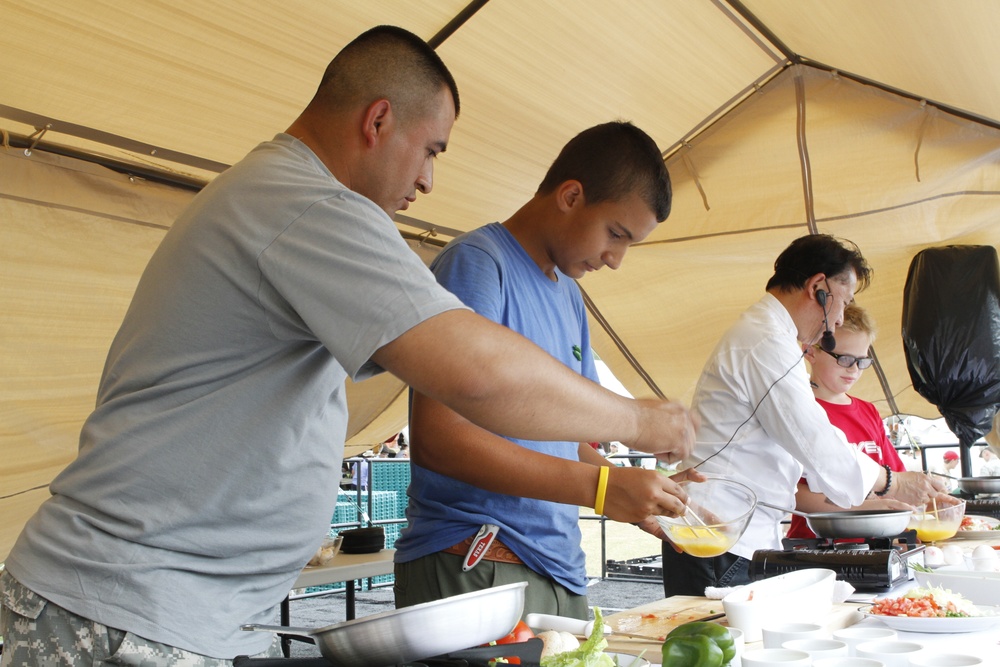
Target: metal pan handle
{"points": [[293, 631], [529, 651]]}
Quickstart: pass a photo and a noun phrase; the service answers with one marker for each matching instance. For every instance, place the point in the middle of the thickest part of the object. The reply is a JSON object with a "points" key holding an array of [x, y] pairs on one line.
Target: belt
{"points": [[498, 552]]}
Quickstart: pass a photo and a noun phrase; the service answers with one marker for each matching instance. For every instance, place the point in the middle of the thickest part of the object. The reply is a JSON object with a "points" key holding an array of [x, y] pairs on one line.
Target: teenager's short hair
{"points": [[858, 320], [818, 253], [386, 62], [611, 161]]}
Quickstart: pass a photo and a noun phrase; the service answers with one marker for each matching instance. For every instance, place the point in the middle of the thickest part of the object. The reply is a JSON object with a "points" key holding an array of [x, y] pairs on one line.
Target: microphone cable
{"points": [[757, 406]]}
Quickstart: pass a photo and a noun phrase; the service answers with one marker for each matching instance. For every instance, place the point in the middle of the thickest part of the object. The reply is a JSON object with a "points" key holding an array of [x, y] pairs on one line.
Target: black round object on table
{"points": [[363, 540]]}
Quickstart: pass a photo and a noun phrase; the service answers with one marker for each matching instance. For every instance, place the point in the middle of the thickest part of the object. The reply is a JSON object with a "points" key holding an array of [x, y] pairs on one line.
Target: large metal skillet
{"points": [[977, 485], [421, 631], [852, 523], [974, 485]]}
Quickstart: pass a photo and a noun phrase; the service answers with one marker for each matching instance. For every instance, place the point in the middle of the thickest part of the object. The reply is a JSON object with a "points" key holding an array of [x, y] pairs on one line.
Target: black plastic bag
{"points": [[951, 334]]}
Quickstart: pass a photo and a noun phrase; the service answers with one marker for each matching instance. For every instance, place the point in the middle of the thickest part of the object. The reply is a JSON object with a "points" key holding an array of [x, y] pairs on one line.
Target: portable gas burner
{"points": [[874, 564], [981, 505]]}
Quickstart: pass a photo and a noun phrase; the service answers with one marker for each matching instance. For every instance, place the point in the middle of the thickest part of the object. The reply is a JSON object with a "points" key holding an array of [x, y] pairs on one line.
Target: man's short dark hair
{"points": [[818, 253], [612, 161], [386, 62]]}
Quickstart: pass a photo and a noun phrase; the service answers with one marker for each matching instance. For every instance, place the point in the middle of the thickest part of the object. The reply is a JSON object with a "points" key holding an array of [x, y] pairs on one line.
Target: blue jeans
{"points": [[687, 575]]}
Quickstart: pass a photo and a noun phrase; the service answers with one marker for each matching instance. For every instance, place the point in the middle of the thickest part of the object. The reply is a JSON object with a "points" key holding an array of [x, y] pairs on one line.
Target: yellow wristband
{"points": [[602, 489]]}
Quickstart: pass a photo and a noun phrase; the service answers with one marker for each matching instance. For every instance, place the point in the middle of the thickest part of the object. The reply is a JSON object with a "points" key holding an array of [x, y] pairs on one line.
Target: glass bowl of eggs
{"points": [[938, 521], [718, 511]]}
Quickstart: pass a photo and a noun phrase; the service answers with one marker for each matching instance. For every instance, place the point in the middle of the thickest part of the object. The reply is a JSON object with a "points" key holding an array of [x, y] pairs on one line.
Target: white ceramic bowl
{"points": [[803, 596], [977, 587], [848, 661], [627, 659], [776, 634], [739, 645], [945, 660], [984, 565], [773, 657], [818, 648], [892, 653], [855, 635]]}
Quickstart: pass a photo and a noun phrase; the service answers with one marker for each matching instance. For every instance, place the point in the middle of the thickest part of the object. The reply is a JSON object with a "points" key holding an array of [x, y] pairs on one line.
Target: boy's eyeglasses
{"points": [[847, 360]]}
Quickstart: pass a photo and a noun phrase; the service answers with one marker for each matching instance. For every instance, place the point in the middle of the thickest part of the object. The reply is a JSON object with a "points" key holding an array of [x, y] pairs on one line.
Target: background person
{"points": [[760, 423], [359, 472], [991, 463], [993, 437], [607, 189], [947, 470], [207, 473]]}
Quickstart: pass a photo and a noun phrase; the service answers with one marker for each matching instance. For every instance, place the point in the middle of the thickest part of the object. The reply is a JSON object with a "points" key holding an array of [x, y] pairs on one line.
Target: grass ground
{"points": [[623, 541]]}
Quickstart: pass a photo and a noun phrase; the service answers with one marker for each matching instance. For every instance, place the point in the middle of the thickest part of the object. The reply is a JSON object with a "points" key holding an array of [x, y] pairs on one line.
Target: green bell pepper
{"points": [[717, 634], [691, 651]]}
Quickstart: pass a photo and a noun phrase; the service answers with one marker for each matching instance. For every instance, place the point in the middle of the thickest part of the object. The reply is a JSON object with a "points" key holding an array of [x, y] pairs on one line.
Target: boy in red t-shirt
{"points": [[832, 375]]}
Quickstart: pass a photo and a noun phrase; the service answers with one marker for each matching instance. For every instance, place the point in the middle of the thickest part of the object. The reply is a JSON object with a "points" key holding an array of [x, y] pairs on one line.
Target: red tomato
{"points": [[520, 633]]}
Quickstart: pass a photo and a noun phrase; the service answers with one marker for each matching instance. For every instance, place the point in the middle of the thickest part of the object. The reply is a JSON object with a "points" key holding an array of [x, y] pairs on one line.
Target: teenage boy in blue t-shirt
{"points": [[606, 190]]}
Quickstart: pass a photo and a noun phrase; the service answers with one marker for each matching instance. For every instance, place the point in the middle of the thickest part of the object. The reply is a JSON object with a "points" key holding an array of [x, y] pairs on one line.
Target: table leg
{"points": [[286, 642], [349, 601]]}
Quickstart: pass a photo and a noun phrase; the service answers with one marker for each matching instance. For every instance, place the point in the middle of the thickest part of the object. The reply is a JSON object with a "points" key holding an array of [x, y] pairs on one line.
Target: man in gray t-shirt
{"points": [[208, 470]]}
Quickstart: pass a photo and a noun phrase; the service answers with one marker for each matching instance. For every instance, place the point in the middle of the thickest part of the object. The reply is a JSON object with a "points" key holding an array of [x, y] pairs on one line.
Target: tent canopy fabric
{"points": [[873, 121]]}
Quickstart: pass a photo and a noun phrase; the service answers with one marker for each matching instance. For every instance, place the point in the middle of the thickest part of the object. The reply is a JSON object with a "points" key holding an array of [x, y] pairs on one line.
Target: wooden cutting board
{"points": [[658, 618]]}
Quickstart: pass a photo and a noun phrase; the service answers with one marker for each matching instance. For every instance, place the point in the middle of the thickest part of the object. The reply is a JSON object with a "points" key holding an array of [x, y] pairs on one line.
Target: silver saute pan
{"points": [[421, 631], [852, 523], [977, 485], [974, 485]]}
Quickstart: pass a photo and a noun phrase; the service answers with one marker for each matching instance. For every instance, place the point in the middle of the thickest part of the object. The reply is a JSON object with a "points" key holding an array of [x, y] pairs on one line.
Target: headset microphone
{"points": [[827, 342]]}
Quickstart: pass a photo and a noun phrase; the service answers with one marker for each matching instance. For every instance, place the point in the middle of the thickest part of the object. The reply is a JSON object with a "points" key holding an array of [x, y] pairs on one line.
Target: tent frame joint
{"points": [[35, 137]]}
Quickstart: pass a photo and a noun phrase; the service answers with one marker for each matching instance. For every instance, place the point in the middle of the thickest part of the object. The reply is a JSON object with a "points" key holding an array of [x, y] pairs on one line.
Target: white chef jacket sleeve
{"points": [[792, 417]]}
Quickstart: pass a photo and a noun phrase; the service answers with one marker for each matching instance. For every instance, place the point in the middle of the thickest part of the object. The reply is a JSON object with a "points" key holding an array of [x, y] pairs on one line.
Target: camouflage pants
{"points": [[39, 633]]}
